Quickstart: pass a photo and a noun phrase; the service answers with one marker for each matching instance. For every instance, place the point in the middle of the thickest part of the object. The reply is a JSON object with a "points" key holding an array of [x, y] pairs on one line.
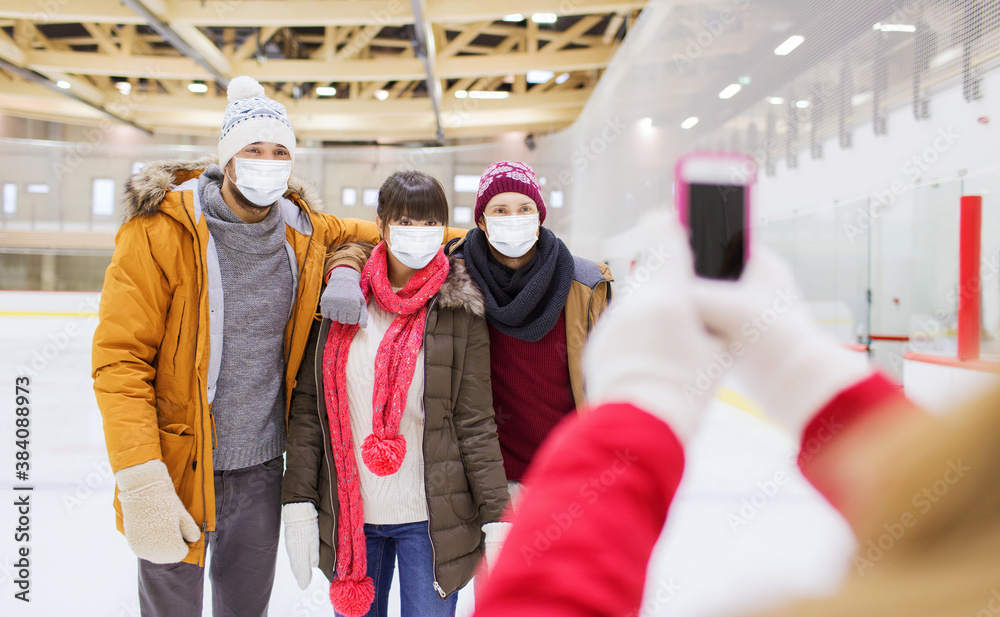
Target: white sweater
{"points": [[401, 497]]}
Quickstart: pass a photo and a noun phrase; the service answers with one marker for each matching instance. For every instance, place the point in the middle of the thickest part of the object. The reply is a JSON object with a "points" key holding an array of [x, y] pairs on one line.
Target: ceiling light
{"points": [[461, 94], [488, 94], [776, 100], [894, 27], [538, 76], [124, 87], [689, 123], [65, 85], [802, 104], [949, 55], [198, 88], [861, 99], [730, 91], [544, 18], [562, 78], [744, 80], [646, 124], [513, 17], [381, 94], [790, 45], [326, 91]]}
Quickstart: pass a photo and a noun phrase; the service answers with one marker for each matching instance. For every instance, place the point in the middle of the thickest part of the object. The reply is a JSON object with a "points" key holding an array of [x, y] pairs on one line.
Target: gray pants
{"points": [[244, 550]]}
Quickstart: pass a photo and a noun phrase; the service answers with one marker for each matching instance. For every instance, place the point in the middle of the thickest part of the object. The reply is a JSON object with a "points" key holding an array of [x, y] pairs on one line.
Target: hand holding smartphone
{"points": [[714, 193]]}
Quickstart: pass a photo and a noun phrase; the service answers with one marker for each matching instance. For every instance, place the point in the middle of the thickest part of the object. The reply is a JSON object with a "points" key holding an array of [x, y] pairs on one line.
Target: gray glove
{"points": [[342, 300]]}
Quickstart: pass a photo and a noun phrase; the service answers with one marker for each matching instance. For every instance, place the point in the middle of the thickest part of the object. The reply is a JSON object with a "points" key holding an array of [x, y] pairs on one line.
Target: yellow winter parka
{"points": [[158, 347]]}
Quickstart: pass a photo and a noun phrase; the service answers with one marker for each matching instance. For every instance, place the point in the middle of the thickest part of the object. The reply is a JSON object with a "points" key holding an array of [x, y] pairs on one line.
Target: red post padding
{"points": [[969, 282]]}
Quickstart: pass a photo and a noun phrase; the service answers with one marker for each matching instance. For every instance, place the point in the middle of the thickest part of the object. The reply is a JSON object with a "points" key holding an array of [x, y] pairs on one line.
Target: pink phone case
{"points": [[728, 159]]}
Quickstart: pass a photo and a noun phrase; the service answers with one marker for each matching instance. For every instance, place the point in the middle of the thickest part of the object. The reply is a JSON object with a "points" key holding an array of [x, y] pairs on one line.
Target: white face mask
{"points": [[513, 235], [415, 246], [262, 182]]}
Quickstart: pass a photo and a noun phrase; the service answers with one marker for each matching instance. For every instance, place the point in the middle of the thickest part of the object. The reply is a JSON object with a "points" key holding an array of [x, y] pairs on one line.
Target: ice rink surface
{"points": [[746, 531]]}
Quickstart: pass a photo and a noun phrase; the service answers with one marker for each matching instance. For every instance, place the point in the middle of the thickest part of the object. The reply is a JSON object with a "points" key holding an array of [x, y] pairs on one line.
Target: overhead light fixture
{"points": [[562, 78], [646, 124], [946, 56], [513, 17], [789, 45], [776, 100], [198, 88], [461, 94], [488, 94], [65, 85], [381, 94], [544, 18], [744, 80], [538, 76], [802, 104], [894, 27], [730, 91], [690, 123], [326, 91], [124, 87]]}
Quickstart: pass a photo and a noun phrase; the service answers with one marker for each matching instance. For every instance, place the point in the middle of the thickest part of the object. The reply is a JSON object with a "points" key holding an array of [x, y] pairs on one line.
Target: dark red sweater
{"points": [[531, 393]]}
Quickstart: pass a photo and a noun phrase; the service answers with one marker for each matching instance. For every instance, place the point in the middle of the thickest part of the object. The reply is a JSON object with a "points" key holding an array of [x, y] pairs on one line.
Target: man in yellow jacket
{"points": [[205, 313]]}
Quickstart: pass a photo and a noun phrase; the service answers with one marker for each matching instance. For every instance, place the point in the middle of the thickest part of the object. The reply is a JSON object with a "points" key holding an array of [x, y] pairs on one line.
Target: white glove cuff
{"points": [[496, 532], [143, 474], [807, 379], [302, 512]]}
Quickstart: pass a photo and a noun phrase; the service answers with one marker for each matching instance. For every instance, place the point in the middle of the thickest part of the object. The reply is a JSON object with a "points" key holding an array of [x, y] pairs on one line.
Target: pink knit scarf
{"points": [[352, 591]]}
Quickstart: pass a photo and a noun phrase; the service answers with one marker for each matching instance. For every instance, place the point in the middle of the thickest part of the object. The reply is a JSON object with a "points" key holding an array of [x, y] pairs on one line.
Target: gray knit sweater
{"points": [[249, 405]]}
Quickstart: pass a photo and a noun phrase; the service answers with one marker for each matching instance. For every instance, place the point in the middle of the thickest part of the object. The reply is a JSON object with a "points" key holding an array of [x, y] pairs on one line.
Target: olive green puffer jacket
{"points": [[463, 469]]}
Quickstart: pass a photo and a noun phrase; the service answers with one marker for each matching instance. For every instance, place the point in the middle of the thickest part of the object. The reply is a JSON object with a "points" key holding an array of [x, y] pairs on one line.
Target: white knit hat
{"points": [[252, 117]]}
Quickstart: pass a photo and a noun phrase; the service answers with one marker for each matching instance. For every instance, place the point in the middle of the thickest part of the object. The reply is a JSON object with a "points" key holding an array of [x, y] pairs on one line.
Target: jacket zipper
{"points": [[201, 403], [327, 446], [437, 586]]}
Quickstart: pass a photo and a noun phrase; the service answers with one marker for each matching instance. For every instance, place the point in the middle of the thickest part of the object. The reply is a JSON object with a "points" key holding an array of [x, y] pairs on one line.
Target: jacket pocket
{"points": [[177, 445], [172, 336], [463, 506]]}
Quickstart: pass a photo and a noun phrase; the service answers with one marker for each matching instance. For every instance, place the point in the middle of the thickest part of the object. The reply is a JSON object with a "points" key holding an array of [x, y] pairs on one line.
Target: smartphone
{"points": [[714, 193]]}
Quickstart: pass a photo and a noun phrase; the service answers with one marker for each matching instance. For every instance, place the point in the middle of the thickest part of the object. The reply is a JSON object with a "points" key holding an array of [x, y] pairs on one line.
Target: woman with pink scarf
{"points": [[392, 444]]}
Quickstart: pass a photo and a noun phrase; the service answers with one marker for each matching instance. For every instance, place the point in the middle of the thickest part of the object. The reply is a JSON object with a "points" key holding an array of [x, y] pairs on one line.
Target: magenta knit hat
{"points": [[508, 177]]}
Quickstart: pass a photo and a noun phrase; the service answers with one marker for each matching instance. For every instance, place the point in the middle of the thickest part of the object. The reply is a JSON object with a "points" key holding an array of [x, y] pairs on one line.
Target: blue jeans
{"points": [[410, 543]]}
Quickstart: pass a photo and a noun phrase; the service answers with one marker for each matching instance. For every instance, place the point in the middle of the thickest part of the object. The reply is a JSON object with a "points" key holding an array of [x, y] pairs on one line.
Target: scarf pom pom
{"points": [[383, 456], [352, 598]]}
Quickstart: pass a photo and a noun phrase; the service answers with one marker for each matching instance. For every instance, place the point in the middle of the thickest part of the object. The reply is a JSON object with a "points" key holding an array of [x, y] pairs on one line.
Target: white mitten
{"points": [[496, 533], [791, 367], [157, 525], [650, 347], [301, 539]]}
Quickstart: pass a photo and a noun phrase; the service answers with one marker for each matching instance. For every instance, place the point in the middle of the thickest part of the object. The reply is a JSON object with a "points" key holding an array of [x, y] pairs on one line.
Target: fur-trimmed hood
{"points": [[145, 190], [460, 291]]}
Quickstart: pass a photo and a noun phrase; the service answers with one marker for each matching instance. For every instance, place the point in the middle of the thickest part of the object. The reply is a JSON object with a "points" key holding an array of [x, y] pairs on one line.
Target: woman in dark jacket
{"points": [[392, 445]]}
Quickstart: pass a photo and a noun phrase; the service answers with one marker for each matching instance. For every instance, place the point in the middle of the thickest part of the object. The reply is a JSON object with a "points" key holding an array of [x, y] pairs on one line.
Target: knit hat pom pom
{"points": [[352, 598], [244, 87], [383, 456]]}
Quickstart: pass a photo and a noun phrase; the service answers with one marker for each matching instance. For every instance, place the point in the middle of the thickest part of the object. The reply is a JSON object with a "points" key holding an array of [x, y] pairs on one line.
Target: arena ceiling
{"points": [[347, 70]]}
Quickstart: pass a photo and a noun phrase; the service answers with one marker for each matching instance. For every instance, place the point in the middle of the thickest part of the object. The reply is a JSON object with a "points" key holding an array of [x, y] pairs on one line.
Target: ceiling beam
{"points": [[185, 37], [424, 46], [301, 12]]}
